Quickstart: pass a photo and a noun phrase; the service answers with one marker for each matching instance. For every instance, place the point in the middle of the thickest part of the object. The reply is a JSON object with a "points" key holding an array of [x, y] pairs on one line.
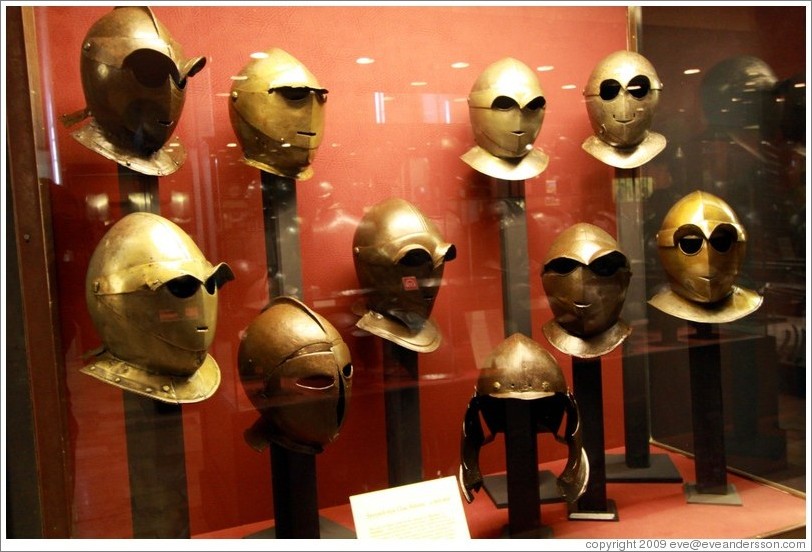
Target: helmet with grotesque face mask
{"points": [[399, 257], [152, 296], [585, 277], [621, 96], [297, 371], [701, 245], [520, 369], [134, 78], [506, 106], [277, 111]]}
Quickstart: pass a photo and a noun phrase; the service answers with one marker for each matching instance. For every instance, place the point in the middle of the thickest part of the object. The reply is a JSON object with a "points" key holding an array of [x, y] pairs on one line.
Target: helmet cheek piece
{"points": [[520, 369], [547, 413]]}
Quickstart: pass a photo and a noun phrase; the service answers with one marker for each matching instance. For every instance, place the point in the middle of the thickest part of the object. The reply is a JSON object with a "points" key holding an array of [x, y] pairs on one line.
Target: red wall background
{"points": [[413, 154]]}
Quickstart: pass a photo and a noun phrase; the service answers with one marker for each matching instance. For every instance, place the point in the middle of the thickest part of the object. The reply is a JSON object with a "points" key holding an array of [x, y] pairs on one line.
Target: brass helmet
{"points": [[621, 98], [277, 112], [297, 371], [701, 246], [520, 369], [585, 277], [399, 257], [152, 296], [506, 107], [134, 78]]}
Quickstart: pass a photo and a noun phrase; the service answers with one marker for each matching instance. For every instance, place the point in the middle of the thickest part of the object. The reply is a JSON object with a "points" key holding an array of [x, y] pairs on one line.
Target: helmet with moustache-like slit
{"points": [[277, 112], [622, 94]]}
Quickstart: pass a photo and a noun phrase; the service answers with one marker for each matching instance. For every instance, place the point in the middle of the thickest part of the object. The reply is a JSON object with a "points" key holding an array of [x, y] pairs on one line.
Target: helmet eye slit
{"points": [[292, 93], [504, 103], [183, 287], [690, 244], [639, 86], [562, 265], [536, 103], [609, 90], [608, 264], [722, 239]]}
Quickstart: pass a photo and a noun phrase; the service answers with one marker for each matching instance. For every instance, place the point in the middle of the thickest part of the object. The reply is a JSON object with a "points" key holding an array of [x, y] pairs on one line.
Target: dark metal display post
{"points": [[588, 389], [154, 429], [637, 464], [711, 486], [293, 474], [295, 496], [282, 247], [521, 454], [402, 403]]}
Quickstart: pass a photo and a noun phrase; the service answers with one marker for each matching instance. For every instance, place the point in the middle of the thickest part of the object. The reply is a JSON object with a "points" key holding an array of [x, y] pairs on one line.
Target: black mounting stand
{"points": [[281, 235], [710, 463], [402, 398], [521, 450], [154, 429], [588, 389], [293, 474], [637, 464]]}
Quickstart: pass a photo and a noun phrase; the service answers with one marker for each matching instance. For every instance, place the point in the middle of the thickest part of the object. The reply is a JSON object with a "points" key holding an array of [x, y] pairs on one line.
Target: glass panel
{"points": [[734, 112], [393, 127]]}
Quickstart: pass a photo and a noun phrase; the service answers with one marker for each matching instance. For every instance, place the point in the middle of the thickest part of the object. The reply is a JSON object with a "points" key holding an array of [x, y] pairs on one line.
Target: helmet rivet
{"points": [[497, 386], [165, 388], [117, 380], [86, 46], [545, 386], [148, 389]]}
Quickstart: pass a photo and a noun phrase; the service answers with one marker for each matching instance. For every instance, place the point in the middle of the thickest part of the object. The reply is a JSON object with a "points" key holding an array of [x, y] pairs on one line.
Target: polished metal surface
{"points": [[297, 371], [621, 97], [276, 108], [520, 369], [399, 257], [506, 106], [134, 78], [153, 298], [585, 277]]}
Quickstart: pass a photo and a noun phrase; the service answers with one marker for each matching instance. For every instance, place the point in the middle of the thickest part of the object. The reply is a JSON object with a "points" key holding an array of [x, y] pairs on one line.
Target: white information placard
{"points": [[425, 510]]}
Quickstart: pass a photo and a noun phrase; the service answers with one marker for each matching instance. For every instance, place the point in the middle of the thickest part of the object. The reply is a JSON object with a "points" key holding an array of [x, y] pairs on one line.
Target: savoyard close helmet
{"points": [[506, 106], [585, 277], [520, 369], [621, 96], [399, 257], [277, 112], [701, 246], [134, 78], [297, 371], [152, 297]]}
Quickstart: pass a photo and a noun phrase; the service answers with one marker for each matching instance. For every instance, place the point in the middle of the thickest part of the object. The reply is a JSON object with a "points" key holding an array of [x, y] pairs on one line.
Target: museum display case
{"points": [[190, 114]]}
